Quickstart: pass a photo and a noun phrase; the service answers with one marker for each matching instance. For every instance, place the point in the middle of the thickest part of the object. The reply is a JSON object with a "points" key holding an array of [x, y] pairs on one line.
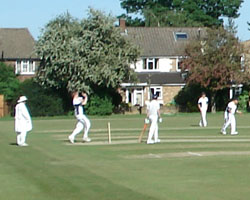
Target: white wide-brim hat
{"points": [[22, 99]]}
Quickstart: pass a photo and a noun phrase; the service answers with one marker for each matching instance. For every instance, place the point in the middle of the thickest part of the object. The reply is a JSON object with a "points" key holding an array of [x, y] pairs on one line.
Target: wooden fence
{"points": [[4, 109]]}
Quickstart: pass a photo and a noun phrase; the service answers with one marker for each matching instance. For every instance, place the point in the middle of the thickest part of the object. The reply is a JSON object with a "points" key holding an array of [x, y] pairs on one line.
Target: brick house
{"points": [[158, 68], [17, 50]]}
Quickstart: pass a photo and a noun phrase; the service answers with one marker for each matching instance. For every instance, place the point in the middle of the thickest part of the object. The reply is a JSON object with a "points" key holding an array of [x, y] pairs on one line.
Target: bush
{"points": [[188, 97], [9, 84], [99, 105], [243, 101], [42, 102]]}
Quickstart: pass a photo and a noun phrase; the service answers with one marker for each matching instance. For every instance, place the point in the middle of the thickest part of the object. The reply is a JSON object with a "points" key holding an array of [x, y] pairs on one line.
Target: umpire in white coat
{"points": [[23, 122]]}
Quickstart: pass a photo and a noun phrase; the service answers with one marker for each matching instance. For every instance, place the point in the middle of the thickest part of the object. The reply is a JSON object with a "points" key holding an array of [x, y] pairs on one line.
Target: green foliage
{"points": [[42, 102], [188, 97], [76, 54], [99, 105], [182, 12], [243, 101], [214, 62], [9, 84]]}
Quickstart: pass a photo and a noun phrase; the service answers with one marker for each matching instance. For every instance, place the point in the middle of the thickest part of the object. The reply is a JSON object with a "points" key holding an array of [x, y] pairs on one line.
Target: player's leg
{"points": [[201, 123], [152, 128], [233, 126], [204, 118], [156, 134], [23, 135], [87, 126], [226, 124], [77, 130], [18, 138]]}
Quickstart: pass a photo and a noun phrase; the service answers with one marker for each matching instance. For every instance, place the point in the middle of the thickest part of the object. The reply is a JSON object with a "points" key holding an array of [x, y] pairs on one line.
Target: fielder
{"points": [[153, 114], [202, 105], [82, 121], [230, 118], [23, 122]]}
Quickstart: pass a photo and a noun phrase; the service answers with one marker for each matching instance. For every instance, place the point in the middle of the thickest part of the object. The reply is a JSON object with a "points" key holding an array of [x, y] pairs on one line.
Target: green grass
{"points": [[191, 163]]}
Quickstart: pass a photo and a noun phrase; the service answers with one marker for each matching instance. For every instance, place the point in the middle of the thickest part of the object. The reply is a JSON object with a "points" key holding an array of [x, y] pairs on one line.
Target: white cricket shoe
{"points": [[23, 145], [234, 133], [223, 132], [86, 139], [150, 142], [157, 141], [71, 140]]}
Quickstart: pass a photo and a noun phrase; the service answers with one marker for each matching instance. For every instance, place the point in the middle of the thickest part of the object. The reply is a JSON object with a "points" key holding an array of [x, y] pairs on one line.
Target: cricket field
{"points": [[190, 163]]}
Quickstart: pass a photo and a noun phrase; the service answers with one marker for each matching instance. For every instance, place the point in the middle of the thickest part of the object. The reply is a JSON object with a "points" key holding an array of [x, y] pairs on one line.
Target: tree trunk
{"points": [[213, 104]]}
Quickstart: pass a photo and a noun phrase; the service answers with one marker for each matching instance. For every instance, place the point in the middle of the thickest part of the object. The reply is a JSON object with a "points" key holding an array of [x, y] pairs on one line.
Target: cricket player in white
{"points": [[202, 105], [230, 118], [153, 113], [83, 121], [23, 122]]}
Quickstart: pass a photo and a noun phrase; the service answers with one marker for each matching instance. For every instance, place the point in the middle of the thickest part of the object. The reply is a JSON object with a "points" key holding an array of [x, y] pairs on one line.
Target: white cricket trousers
{"points": [[203, 121], [153, 130], [230, 120], [21, 137], [83, 122]]}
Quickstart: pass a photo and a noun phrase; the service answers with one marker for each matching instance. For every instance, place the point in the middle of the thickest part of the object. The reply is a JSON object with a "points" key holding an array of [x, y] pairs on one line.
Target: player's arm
{"points": [[159, 113], [199, 105], [85, 98]]}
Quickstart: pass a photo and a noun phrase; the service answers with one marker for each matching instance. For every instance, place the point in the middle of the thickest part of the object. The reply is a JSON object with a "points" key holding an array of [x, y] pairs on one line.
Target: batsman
{"points": [[154, 115]]}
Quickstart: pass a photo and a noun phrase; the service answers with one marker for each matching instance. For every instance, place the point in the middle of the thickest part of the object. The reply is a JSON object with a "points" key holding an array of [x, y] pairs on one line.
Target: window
{"points": [[242, 62], [25, 67], [150, 63], [181, 36], [179, 63], [155, 91]]}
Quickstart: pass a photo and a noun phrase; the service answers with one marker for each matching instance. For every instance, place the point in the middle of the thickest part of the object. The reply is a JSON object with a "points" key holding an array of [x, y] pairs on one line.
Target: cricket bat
{"points": [[142, 133]]}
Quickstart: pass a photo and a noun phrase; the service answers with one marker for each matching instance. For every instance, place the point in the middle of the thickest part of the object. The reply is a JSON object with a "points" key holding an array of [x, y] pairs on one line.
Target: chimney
{"points": [[122, 23]]}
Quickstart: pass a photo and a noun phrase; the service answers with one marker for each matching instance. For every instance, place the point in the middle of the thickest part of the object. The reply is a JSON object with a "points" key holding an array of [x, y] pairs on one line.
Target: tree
{"points": [[215, 61], [9, 84], [78, 54], [182, 12]]}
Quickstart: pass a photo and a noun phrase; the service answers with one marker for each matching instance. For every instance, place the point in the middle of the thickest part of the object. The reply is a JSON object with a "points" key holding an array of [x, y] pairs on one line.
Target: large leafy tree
{"points": [[78, 54], [182, 12], [214, 62]]}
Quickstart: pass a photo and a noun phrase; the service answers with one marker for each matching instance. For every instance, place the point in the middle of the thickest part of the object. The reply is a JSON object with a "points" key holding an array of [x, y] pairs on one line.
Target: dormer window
{"points": [[181, 36], [150, 63]]}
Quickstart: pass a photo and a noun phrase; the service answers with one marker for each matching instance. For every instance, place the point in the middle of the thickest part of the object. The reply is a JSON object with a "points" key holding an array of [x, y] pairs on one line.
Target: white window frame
{"points": [[25, 67], [156, 89], [155, 67]]}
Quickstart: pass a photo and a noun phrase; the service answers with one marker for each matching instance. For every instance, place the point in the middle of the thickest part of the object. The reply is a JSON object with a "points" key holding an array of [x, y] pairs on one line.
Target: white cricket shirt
{"points": [[203, 102], [232, 106], [153, 107]]}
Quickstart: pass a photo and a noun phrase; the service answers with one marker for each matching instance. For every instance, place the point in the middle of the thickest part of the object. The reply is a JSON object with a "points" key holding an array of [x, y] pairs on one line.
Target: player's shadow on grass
{"points": [[13, 144], [194, 125]]}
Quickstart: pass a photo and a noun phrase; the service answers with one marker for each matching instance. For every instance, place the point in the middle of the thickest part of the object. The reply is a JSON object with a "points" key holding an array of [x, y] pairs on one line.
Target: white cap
{"points": [[22, 99]]}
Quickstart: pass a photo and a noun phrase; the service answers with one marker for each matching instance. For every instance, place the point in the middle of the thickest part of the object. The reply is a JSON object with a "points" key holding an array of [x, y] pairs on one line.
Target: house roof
{"points": [[16, 43], [161, 41], [160, 78], [157, 78]]}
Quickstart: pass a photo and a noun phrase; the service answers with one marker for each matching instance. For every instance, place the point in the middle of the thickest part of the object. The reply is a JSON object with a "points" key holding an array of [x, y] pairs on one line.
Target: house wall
{"points": [[166, 64], [169, 92], [20, 77]]}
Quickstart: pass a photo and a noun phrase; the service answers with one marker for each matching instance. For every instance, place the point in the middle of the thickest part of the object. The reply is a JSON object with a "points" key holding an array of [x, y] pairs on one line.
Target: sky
{"points": [[35, 14]]}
